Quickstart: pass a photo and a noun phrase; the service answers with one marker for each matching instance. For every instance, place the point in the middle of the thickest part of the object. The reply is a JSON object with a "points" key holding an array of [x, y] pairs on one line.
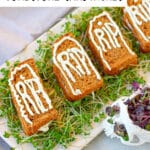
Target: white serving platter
{"points": [[28, 52]]}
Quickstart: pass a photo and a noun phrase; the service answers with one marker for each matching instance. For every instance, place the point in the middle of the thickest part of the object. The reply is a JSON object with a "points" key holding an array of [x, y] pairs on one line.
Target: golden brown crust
{"points": [[133, 2], [118, 58], [37, 120], [122, 63], [144, 45], [86, 84]]}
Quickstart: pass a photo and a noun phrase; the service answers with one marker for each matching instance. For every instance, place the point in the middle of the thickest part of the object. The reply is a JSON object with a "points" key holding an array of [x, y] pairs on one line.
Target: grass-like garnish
{"points": [[74, 117]]}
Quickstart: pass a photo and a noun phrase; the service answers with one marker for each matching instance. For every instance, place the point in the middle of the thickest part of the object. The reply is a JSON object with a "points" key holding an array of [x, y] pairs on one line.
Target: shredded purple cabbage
{"points": [[139, 108], [135, 86]]}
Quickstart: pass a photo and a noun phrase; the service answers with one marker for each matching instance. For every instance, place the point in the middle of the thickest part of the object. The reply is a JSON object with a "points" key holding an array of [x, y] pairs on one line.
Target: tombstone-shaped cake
{"points": [[137, 19], [108, 44], [29, 97], [73, 68]]}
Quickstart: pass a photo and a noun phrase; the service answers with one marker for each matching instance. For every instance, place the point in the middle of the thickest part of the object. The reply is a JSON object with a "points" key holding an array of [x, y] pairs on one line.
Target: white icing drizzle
{"points": [[44, 128], [80, 58], [102, 40], [143, 12], [128, 24], [104, 43], [26, 97], [20, 93], [115, 43]]}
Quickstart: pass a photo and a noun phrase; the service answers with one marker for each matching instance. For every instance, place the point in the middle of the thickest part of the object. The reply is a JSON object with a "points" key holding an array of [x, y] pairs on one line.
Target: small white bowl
{"points": [[136, 135]]}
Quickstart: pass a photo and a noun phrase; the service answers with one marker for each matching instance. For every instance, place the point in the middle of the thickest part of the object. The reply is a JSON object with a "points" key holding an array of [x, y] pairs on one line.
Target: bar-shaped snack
{"points": [[29, 97], [73, 68], [137, 19], [108, 44]]}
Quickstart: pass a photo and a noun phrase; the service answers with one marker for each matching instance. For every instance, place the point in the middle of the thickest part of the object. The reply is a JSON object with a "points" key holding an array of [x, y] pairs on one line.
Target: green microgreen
{"points": [[110, 121]]}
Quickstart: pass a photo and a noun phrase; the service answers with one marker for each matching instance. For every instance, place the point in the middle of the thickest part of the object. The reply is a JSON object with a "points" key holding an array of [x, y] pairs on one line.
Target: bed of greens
{"points": [[74, 117]]}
